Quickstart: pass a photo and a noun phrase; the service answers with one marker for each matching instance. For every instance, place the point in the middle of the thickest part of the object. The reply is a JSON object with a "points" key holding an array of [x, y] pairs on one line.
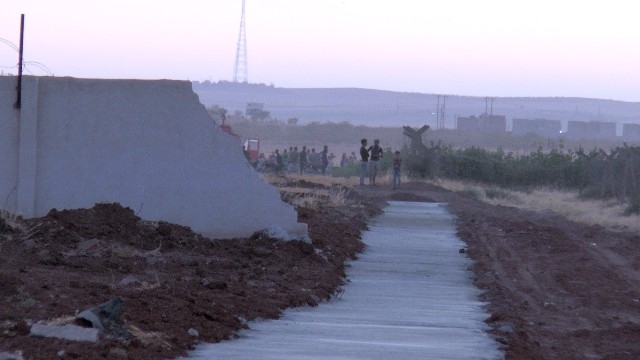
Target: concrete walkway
{"points": [[410, 296]]}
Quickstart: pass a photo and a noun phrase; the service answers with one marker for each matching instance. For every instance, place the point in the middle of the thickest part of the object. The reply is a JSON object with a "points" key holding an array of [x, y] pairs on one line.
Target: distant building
{"points": [[631, 131], [470, 123], [253, 107], [591, 130], [542, 127], [483, 123]]}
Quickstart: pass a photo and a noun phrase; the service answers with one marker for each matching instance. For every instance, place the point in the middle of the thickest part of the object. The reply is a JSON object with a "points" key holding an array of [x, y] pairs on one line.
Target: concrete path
{"points": [[410, 296]]}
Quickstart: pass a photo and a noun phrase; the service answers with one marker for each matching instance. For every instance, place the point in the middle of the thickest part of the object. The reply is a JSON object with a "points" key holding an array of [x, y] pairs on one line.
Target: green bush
{"points": [[497, 167], [346, 171]]}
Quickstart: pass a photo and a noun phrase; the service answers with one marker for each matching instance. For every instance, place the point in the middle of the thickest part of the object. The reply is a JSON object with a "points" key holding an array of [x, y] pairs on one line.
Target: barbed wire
{"points": [[25, 64], [10, 44], [40, 66]]}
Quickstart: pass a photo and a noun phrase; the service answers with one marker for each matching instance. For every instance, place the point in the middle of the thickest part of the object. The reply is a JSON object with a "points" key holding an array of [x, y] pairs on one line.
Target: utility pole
{"points": [[18, 103], [491, 113], [444, 104], [240, 73], [440, 112]]}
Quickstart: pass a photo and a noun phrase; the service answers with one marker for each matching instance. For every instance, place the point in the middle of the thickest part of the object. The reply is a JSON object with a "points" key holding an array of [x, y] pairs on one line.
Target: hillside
{"points": [[387, 108]]}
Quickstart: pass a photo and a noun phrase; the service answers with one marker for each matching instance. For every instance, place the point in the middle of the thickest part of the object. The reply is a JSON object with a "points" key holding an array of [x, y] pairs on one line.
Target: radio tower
{"points": [[240, 68]]}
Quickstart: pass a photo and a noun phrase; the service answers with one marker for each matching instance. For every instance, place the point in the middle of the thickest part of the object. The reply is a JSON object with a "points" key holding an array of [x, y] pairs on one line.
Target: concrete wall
{"points": [[541, 127], [631, 131], [591, 130], [484, 123], [148, 145]]}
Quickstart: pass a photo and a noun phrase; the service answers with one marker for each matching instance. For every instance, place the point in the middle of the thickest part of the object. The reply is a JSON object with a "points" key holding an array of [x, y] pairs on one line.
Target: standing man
{"points": [[303, 159], [293, 159], [279, 162], [376, 154], [325, 159], [364, 160]]}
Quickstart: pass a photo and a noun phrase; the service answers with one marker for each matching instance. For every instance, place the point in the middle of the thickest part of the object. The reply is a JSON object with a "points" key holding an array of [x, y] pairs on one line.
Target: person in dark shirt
{"points": [[324, 154], [364, 160], [294, 158], [303, 159], [344, 160], [279, 162]]}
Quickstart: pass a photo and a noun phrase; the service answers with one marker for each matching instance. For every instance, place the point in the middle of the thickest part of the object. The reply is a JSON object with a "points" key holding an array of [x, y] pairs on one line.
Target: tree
{"points": [[292, 121], [217, 113], [258, 115]]}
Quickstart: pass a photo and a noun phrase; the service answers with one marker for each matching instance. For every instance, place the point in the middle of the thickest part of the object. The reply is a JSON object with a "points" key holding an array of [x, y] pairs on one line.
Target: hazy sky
{"points": [[460, 47]]}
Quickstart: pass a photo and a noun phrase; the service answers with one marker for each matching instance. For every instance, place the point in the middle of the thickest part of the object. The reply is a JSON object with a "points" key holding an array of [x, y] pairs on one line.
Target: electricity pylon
{"points": [[240, 73]]}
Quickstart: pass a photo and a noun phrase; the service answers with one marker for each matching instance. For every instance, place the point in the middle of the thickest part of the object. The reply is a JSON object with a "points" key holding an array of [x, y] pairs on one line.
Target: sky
{"points": [[559, 48]]}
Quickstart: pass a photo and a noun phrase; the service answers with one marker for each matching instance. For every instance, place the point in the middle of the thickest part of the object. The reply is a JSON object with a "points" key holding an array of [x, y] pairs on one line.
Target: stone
{"points": [[105, 317], [11, 356], [127, 280], [66, 332]]}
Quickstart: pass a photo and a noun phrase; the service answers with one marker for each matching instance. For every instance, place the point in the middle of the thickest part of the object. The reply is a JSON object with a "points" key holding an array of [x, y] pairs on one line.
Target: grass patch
{"points": [[470, 192], [333, 194], [607, 213], [633, 209], [496, 193]]}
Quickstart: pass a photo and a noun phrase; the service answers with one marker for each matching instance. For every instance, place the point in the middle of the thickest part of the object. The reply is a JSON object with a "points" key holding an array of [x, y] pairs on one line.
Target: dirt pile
{"points": [[177, 287]]}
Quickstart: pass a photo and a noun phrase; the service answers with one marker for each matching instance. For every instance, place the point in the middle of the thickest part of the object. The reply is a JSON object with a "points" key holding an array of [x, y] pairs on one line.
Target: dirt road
{"points": [[556, 289]]}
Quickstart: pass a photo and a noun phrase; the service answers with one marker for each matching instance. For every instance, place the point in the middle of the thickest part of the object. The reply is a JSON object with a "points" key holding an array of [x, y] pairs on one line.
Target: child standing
{"points": [[397, 164]]}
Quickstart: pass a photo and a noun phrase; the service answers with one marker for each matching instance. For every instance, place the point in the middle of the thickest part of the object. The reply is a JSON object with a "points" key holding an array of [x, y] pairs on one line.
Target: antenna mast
{"points": [[240, 68]]}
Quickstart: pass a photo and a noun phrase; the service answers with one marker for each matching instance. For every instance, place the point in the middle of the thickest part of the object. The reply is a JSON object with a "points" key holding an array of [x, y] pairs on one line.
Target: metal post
{"points": [[438, 113], [18, 103], [444, 106]]}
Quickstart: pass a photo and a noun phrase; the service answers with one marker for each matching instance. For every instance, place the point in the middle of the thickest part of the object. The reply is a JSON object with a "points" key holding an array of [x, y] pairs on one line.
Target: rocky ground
{"points": [[555, 289]]}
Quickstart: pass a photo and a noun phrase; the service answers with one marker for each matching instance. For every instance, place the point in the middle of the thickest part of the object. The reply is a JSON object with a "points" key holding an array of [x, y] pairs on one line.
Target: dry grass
{"points": [[333, 195], [16, 223], [327, 180], [607, 213], [10, 219], [149, 338]]}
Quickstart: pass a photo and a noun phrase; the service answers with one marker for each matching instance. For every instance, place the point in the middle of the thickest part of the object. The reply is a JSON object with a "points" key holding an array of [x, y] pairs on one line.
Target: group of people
{"points": [[294, 160], [310, 161], [370, 161], [348, 160]]}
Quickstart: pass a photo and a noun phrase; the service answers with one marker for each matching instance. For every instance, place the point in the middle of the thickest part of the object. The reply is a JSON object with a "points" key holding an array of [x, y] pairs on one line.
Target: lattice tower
{"points": [[240, 73]]}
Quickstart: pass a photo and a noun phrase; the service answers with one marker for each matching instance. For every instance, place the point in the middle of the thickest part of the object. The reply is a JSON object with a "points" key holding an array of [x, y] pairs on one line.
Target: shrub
{"points": [[470, 192], [346, 171], [495, 193]]}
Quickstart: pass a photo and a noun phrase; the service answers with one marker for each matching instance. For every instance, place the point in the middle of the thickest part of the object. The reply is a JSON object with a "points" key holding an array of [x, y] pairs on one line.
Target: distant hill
{"points": [[388, 108]]}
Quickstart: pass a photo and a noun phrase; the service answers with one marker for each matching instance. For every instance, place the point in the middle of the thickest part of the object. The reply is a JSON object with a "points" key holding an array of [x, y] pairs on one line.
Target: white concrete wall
{"points": [[148, 145], [9, 132]]}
